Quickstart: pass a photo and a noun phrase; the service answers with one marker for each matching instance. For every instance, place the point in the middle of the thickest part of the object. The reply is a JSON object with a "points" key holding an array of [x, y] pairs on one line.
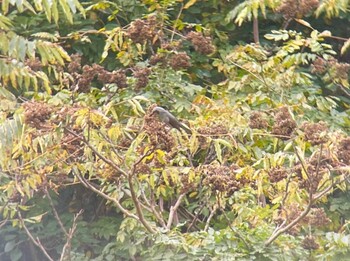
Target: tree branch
{"points": [[115, 201], [68, 245], [31, 237], [108, 161], [59, 221], [173, 210]]}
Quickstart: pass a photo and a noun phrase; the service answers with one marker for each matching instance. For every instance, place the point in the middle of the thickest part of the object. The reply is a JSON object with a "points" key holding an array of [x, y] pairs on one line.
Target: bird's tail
{"points": [[186, 129]]}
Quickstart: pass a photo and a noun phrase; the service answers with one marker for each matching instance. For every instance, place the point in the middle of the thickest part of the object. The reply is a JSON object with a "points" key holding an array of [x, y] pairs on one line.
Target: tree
{"points": [[89, 173]]}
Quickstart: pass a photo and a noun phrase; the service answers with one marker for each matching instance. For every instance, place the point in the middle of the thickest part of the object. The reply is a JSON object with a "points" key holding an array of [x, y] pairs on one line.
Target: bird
{"points": [[169, 119]]}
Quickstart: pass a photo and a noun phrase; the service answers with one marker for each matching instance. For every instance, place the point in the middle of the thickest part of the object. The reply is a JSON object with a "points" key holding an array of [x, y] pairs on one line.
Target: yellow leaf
{"points": [[189, 4], [303, 22]]}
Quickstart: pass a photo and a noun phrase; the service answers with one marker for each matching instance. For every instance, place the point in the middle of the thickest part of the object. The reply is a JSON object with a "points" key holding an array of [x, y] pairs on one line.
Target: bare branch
{"points": [[55, 213], [138, 206], [173, 210], [35, 241], [108, 161], [196, 217], [210, 217], [68, 245], [153, 210], [281, 230], [115, 201]]}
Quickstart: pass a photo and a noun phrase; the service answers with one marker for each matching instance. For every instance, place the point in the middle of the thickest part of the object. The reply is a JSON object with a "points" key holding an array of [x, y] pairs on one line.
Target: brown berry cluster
{"points": [[318, 218], [336, 69], [257, 121], [284, 124], [117, 76], [315, 133], [214, 129], [186, 185], [277, 174], [72, 145], [36, 114], [176, 60], [171, 46], [143, 30], [222, 179], [310, 243], [297, 9], [34, 64], [319, 66], [158, 134], [344, 151], [179, 61], [75, 65], [124, 143], [342, 70], [85, 75], [158, 58], [142, 168], [201, 43], [141, 75]]}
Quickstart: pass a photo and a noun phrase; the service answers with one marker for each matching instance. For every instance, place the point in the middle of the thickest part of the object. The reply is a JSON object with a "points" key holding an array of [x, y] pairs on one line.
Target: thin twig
{"points": [[235, 231], [210, 217], [68, 245], [173, 210], [153, 210], [35, 241], [195, 217], [138, 206], [108, 161], [177, 19], [115, 201], [55, 213]]}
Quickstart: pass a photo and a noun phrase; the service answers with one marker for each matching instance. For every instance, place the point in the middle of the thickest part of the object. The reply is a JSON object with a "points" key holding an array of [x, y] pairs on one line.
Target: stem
{"points": [[173, 210], [256, 30], [115, 201], [35, 241], [68, 245], [210, 217]]}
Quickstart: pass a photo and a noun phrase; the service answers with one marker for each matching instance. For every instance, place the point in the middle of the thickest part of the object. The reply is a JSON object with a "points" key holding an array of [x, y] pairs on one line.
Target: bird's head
{"points": [[157, 110]]}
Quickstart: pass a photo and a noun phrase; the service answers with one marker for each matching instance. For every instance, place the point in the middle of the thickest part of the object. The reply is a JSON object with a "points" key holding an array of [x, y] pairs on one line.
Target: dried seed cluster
{"points": [[36, 114], [34, 64], [83, 76], [215, 129], [143, 30], [319, 66], [201, 43], [222, 179], [257, 121], [141, 75], [179, 61], [277, 174], [159, 136], [297, 9], [284, 124], [336, 69], [142, 168], [315, 133], [310, 243], [175, 60], [344, 151]]}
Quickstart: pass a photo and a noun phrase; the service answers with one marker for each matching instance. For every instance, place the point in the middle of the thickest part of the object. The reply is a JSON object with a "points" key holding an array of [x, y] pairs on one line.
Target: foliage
{"points": [[88, 172]]}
